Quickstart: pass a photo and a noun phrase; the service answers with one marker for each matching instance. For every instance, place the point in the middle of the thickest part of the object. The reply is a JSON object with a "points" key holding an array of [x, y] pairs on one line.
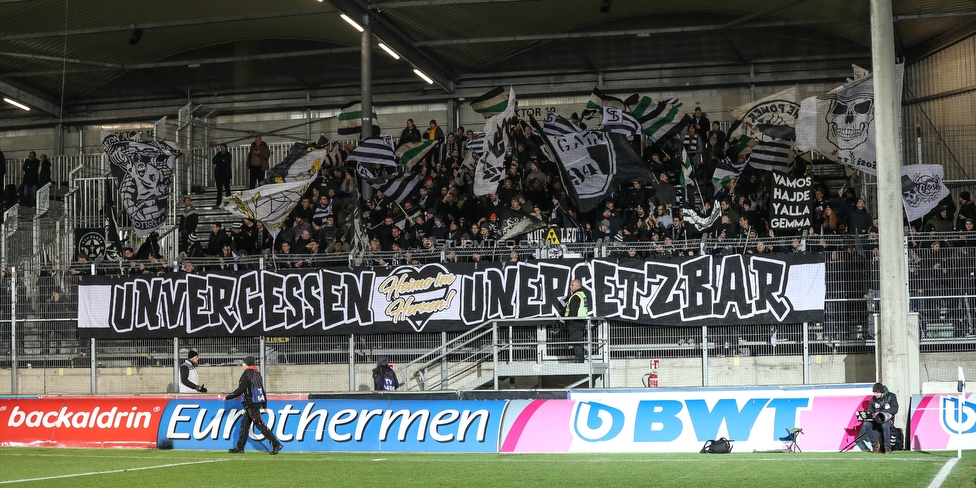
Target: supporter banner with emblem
{"points": [[703, 290], [790, 203]]}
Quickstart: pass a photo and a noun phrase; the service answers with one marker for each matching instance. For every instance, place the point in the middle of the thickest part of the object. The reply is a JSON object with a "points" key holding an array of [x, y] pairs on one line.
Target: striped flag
{"points": [[476, 147], [598, 100], [351, 120], [333, 159], [399, 188], [645, 106], [412, 153], [663, 121], [490, 170], [375, 150], [556, 125], [620, 122], [492, 103], [765, 130], [725, 171], [686, 169]]}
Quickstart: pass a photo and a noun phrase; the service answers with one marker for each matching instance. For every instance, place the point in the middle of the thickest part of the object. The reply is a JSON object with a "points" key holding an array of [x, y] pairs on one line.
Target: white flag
{"points": [[840, 123], [921, 189]]}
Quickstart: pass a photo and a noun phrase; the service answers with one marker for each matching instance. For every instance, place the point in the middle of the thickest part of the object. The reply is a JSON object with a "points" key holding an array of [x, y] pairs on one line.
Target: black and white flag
{"points": [[556, 125], [399, 188], [702, 222], [374, 156], [518, 224], [490, 170], [351, 120], [922, 188], [620, 122], [840, 124], [593, 163], [790, 202], [766, 130], [598, 100], [143, 174]]}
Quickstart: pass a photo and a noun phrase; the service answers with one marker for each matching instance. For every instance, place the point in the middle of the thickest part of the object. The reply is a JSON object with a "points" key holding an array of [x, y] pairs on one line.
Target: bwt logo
{"points": [[658, 420], [950, 416]]}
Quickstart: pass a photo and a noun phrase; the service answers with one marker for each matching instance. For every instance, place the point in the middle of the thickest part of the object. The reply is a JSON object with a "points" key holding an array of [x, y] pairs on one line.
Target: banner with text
{"points": [[702, 290], [790, 203]]}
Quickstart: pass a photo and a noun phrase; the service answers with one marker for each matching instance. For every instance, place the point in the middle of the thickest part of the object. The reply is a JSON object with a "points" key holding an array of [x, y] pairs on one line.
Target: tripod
{"points": [[862, 416], [860, 435]]}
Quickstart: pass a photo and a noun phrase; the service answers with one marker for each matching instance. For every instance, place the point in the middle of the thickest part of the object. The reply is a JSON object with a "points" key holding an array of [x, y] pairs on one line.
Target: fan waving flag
{"points": [[661, 121], [351, 120], [725, 171], [143, 173], [765, 130], [490, 169], [412, 153], [492, 103], [373, 156], [271, 204], [302, 162], [593, 164], [476, 147], [598, 100], [620, 122], [840, 124], [518, 224], [399, 188], [556, 125], [702, 223], [922, 188]]}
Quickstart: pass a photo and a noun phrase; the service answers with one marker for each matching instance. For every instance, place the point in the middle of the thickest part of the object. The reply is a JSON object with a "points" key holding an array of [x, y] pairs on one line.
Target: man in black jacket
{"points": [[882, 407], [251, 390]]}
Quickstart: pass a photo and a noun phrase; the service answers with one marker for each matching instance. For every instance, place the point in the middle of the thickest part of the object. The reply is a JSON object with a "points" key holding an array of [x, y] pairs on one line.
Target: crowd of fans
{"points": [[443, 211]]}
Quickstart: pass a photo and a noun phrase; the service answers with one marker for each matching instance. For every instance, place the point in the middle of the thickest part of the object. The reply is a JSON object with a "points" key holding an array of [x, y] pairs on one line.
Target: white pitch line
{"points": [[943, 473], [110, 472]]}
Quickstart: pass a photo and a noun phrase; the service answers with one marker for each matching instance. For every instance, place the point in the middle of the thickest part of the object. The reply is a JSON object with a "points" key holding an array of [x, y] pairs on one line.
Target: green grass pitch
{"points": [[152, 468]]}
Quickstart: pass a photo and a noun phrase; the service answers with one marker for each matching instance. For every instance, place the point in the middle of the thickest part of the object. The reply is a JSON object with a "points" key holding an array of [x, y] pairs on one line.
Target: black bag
{"points": [[720, 446], [897, 439]]}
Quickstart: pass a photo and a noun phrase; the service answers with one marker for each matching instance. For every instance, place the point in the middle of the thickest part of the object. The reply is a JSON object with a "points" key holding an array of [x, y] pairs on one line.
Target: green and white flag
{"points": [[412, 153], [492, 103], [661, 121], [351, 120]]}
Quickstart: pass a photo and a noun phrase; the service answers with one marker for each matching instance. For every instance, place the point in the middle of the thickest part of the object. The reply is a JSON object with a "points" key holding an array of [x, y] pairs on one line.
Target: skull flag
{"points": [[143, 174], [840, 123], [922, 189]]}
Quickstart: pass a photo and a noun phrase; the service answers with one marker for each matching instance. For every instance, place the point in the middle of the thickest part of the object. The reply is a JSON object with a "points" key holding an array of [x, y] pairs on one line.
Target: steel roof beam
{"points": [[160, 25], [41, 102], [391, 35]]}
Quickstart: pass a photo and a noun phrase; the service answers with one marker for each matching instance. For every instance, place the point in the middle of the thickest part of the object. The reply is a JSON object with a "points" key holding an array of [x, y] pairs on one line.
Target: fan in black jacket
{"points": [[251, 391]]}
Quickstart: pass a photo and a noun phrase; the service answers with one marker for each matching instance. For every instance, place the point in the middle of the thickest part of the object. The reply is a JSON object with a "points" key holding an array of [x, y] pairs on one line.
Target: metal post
{"points": [[352, 362], [176, 364], [366, 75], [94, 368], [494, 351], [893, 335], [704, 355], [806, 353], [13, 328], [262, 360], [443, 360]]}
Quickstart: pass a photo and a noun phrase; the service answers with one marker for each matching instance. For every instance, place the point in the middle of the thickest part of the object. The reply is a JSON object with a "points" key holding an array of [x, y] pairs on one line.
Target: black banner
{"points": [[790, 203], [710, 290]]}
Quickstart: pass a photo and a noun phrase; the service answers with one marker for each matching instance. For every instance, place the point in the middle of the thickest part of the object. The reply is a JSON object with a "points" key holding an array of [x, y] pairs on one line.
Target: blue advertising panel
{"points": [[339, 425]]}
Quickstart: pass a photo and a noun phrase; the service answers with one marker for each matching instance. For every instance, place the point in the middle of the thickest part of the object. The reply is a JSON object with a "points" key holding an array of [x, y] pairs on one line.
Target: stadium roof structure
{"points": [[108, 59]]}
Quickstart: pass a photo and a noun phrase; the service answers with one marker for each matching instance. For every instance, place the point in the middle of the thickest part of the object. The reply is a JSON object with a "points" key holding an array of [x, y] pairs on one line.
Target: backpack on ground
{"points": [[720, 446]]}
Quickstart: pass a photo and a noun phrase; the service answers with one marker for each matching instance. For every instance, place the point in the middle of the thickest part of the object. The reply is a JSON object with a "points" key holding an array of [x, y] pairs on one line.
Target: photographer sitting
{"points": [[882, 408]]}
